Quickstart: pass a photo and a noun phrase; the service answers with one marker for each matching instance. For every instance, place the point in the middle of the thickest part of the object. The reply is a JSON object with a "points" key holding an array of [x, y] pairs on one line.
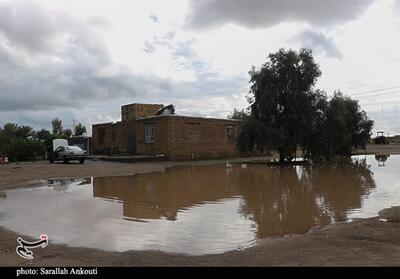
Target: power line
{"points": [[379, 104], [376, 90], [379, 94], [387, 98]]}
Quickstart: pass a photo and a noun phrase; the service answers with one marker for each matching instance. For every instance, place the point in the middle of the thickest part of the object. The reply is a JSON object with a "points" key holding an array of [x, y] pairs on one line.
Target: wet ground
{"points": [[201, 209]]}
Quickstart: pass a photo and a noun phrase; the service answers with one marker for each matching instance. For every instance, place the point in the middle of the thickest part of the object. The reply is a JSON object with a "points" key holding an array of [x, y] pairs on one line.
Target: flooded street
{"points": [[201, 209]]}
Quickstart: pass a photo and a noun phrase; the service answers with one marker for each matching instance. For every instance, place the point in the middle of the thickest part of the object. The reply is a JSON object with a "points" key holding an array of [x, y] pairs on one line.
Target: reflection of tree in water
{"points": [[280, 200], [342, 186], [294, 199], [381, 159]]}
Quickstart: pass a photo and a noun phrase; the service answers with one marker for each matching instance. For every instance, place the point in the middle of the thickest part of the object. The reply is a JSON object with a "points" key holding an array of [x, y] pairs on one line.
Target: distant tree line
{"points": [[287, 112], [23, 143]]}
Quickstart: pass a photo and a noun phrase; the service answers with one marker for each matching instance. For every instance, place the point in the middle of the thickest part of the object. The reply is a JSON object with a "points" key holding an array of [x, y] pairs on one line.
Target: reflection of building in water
{"points": [[381, 159], [279, 200], [162, 195]]}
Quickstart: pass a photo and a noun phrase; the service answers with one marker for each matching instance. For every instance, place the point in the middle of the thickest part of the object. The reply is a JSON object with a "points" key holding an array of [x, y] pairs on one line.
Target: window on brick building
{"points": [[102, 135], [230, 134], [193, 130], [149, 133]]}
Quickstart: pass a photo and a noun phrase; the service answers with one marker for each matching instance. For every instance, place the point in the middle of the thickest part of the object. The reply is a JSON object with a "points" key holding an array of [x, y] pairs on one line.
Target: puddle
{"points": [[201, 209]]}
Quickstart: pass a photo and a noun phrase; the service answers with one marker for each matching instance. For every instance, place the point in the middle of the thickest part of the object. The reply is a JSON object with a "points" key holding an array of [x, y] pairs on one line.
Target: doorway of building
{"points": [[131, 143]]}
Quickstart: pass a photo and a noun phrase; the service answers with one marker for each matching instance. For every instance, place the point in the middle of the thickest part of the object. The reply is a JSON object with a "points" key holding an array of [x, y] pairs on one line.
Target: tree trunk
{"points": [[281, 155]]}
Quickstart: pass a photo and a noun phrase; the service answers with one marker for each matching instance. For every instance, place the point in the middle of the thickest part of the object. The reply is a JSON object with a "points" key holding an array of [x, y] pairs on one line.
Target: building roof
{"points": [[130, 104], [188, 117]]}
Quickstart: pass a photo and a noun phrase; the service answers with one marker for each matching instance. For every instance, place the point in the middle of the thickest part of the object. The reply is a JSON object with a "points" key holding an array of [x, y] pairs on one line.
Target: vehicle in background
{"points": [[84, 142], [3, 159], [380, 138], [59, 142], [61, 151]]}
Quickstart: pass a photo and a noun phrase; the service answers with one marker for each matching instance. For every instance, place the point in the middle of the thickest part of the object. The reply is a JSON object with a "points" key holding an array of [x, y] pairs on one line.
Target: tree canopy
{"points": [[79, 130], [58, 129], [238, 114], [56, 123], [21, 143], [286, 111]]}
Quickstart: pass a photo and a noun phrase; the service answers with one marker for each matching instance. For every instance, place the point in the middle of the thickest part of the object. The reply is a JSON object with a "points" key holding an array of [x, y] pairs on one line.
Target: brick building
{"points": [[150, 129]]}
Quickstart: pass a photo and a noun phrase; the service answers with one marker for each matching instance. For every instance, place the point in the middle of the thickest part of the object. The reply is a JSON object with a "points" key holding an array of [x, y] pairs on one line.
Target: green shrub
{"points": [[24, 150]]}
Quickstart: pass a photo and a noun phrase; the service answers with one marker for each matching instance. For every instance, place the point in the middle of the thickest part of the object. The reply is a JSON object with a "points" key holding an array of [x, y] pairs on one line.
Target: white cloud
{"points": [[83, 59], [53, 61]]}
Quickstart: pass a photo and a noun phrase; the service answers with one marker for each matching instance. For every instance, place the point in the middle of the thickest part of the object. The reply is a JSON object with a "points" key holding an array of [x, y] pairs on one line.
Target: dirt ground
{"points": [[380, 149], [364, 242]]}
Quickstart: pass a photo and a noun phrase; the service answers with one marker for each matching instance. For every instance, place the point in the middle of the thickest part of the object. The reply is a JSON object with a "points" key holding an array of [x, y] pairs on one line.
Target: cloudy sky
{"points": [[81, 60]]}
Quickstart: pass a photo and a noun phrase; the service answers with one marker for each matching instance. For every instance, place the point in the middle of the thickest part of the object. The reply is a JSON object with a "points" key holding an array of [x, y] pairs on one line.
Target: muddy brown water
{"points": [[201, 209]]}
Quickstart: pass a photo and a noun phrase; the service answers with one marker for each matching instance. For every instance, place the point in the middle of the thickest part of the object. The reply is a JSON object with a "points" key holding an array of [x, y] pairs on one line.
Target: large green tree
{"points": [[288, 112], [282, 100], [347, 126]]}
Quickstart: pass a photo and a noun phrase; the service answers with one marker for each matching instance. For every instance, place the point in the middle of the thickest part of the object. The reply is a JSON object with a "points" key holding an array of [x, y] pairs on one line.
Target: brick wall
{"points": [[182, 138], [101, 138], [160, 145], [134, 111], [117, 138], [197, 138]]}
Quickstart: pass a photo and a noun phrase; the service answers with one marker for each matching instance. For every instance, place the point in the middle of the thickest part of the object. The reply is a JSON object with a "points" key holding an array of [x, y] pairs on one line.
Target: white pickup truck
{"points": [[61, 151]]}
